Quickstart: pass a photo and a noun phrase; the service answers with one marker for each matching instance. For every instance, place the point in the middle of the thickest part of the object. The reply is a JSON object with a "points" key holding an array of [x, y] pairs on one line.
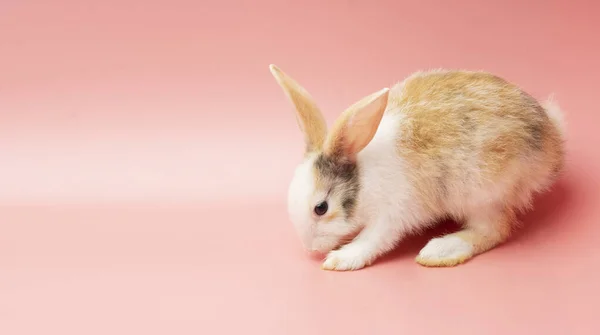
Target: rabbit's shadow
{"points": [[545, 206]]}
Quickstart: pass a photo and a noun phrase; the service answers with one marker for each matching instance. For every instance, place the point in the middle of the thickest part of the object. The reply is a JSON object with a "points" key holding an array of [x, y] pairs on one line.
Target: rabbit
{"points": [[464, 145]]}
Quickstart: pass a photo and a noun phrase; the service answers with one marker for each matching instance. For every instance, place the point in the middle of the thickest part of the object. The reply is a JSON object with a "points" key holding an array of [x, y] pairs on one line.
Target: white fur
{"points": [[387, 207], [555, 113], [385, 197], [300, 202]]}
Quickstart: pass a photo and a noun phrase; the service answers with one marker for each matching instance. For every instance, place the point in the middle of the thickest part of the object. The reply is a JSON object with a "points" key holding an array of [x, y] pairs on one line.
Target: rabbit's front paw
{"points": [[348, 258]]}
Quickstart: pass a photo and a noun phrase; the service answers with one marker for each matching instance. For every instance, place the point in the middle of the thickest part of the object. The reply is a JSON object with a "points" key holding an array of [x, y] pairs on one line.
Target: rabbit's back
{"points": [[472, 136]]}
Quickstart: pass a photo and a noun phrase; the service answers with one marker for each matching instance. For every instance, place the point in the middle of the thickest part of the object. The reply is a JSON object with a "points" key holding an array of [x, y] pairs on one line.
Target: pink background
{"points": [[145, 152]]}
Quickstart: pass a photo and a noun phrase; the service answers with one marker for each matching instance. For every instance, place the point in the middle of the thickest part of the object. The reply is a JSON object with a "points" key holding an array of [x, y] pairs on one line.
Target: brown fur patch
{"points": [[332, 215], [454, 119]]}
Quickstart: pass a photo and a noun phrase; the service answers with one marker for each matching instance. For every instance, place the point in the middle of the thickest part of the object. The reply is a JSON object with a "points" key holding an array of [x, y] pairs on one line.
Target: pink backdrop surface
{"points": [[145, 152]]}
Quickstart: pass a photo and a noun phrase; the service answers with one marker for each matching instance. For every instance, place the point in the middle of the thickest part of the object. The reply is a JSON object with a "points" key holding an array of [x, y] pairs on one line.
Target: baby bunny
{"points": [[441, 144]]}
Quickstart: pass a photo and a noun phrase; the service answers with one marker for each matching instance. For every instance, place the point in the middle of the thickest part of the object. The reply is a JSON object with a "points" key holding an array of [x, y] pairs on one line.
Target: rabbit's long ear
{"points": [[355, 128], [308, 115]]}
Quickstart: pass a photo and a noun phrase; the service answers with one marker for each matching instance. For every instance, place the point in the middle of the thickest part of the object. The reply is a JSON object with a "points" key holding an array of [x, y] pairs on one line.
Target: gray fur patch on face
{"points": [[342, 176]]}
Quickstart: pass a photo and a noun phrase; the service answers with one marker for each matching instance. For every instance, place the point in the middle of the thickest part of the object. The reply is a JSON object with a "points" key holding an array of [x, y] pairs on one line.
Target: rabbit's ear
{"points": [[308, 115], [355, 128]]}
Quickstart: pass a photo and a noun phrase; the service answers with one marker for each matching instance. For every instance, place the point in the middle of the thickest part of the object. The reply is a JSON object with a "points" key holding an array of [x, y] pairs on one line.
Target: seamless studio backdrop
{"points": [[145, 154]]}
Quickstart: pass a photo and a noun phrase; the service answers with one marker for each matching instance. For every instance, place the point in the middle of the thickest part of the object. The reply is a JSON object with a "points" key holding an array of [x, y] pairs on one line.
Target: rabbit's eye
{"points": [[321, 208]]}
